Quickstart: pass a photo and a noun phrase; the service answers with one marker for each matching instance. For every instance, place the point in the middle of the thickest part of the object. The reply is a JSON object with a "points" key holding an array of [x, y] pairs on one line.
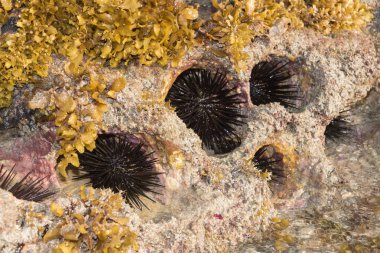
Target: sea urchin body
{"points": [[122, 166], [271, 82], [340, 128], [268, 159], [206, 104]]}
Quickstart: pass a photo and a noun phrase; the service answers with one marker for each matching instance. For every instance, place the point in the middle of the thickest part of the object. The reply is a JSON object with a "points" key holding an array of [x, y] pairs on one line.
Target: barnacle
{"points": [[26, 188], [271, 82], [98, 222], [206, 104], [120, 165], [268, 160]]}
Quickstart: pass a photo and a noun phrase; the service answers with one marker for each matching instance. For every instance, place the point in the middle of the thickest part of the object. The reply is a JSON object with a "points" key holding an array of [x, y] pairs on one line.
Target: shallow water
{"points": [[350, 221]]}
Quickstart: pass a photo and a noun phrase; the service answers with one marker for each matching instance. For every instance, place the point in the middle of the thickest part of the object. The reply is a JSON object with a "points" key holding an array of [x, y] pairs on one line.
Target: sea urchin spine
{"points": [[122, 166], [206, 104], [271, 82], [268, 159], [340, 128], [26, 188]]}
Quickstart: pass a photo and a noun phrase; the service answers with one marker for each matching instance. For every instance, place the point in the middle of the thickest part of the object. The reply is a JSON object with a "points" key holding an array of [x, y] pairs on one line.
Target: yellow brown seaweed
{"points": [[235, 24], [153, 31], [100, 228], [329, 16], [78, 113]]}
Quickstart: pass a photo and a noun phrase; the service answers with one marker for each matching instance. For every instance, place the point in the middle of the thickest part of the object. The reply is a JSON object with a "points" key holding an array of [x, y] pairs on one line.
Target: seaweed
{"points": [[113, 31], [96, 226], [236, 23]]}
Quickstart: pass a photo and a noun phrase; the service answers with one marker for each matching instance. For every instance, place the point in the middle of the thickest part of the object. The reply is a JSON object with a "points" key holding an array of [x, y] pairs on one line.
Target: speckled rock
{"points": [[214, 203]]}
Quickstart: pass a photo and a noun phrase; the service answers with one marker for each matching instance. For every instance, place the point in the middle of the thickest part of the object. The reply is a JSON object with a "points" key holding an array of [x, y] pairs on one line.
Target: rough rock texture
{"points": [[213, 203]]}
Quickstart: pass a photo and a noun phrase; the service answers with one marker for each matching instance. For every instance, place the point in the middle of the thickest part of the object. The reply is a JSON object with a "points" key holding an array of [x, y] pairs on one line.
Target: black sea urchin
{"points": [[206, 104], [122, 166], [10, 26], [340, 129], [268, 159], [270, 82], [26, 188]]}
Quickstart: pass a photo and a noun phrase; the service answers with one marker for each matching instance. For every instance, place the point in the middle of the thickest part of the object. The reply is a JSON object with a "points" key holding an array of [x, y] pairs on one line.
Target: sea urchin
{"points": [[340, 128], [206, 104], [271, 82], [26, 188], [268, 159], [121, 165]]}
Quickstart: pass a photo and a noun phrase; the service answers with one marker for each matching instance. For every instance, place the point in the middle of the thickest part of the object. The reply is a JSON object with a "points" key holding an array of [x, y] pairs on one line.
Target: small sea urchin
{"points": [[122, 166], [26, 188], [340, 128], [268, 159], [10, 26], [271, 82], [206, 104]]}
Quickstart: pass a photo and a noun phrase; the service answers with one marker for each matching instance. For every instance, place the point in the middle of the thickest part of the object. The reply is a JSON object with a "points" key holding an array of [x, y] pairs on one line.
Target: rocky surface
{"points": [[331, 196]]}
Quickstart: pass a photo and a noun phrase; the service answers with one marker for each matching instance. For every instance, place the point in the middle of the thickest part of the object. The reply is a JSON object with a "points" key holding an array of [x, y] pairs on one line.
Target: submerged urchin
{"points": [[268, 159], [208, 105], [121, 165], [340, 128], [26, 188], [271, 82]]}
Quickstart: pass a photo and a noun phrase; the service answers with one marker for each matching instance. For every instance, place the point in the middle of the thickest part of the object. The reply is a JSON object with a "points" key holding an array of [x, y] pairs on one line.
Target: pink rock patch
{"points": [[218, 216], [30, 154]]}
